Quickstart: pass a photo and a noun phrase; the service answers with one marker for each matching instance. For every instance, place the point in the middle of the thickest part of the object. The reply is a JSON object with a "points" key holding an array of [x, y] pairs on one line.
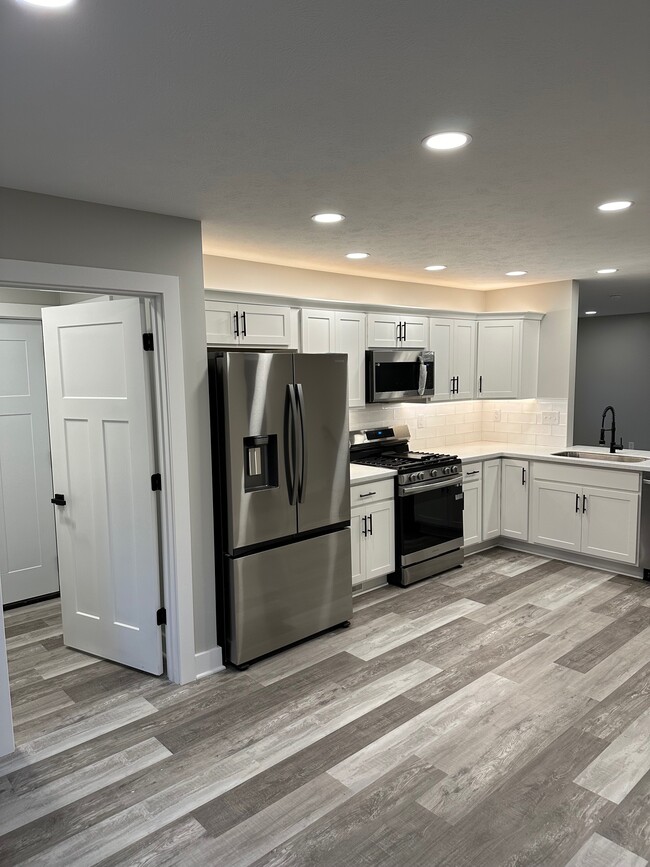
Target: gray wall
{"points": [[41, 228], [613, 366]]}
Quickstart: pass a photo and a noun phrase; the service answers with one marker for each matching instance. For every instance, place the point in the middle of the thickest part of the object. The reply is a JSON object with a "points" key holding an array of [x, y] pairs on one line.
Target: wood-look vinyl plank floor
{"points": [[496, 715]]}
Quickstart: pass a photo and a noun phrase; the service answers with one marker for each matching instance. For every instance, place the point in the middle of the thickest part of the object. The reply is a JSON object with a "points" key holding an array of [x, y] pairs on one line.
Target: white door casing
{"points": [[28, 560], [102, 461]]}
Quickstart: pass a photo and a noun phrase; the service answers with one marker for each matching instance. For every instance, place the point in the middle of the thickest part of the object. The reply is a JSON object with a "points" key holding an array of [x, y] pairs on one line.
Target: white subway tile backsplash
{"points": [[436, 425]]}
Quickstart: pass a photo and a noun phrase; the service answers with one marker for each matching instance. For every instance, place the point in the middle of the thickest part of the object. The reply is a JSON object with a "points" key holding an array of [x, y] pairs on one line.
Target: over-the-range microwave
{"points": [[395, 375]]}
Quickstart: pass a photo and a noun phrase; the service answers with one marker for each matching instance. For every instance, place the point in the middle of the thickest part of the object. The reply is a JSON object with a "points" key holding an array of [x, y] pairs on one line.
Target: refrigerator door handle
{"points": [[303, 444], [291, 439]]}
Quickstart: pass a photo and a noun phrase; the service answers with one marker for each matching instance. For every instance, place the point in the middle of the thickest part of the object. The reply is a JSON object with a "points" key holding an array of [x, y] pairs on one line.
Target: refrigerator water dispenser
{"points": [[260, 463]]}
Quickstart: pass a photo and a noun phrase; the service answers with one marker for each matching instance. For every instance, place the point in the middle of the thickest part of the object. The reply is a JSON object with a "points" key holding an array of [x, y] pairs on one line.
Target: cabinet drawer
{"points": [[620, 480], [472, 472], [371, 492]]}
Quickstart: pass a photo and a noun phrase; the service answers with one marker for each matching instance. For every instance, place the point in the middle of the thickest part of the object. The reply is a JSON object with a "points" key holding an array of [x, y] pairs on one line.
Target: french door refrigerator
{"points": [[282, 498]]}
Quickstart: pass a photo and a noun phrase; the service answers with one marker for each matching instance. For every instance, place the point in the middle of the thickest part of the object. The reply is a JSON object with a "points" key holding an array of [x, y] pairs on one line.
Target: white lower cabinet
{"points": [[514, 499], [373, 540], [609, 524], [600, 522], [472, 512], [491, 499]]}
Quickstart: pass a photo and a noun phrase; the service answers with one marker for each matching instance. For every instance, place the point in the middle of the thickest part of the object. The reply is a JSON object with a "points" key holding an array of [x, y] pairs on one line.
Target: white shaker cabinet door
{"points": [[491, 499], [499, 354], [221, 318], [514, 499], [318, 330], [351, 340], [441, 341], [358, 545], [264, 325], [380, 541], [472, 512], [609, 524], [464, 358], [556, 515]]}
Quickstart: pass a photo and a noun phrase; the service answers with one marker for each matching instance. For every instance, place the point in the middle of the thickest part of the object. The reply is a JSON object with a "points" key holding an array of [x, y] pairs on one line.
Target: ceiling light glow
{"points": [[328, 218], [357, 255], [607, 271], [446, 141], [49, 4], [516, 273], [590, 312], [615, 206], [435, 267]]}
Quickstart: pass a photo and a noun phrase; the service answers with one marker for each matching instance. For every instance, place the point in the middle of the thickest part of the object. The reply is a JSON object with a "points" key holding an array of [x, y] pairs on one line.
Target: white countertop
{"points": [[480, 451], [359, 473]]}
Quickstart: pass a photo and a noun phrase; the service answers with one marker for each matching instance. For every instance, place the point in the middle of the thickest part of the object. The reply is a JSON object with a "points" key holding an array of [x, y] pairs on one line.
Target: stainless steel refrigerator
{"points": [[282, 498]]}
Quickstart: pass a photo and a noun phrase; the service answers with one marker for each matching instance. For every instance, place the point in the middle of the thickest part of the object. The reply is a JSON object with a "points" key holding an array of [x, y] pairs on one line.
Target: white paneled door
{"points": [[102, 462], [28, 566]]}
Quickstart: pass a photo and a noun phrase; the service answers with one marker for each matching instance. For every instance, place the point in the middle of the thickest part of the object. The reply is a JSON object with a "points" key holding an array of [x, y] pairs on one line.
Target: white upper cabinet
{"points": [[351, 339], [395, 331], [317, 330], [454, 344], [330, 331], [220, 323], [229, 323], [508, 351]]}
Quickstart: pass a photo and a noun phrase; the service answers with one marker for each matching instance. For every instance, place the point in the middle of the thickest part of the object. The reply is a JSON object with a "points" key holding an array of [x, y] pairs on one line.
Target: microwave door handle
{"points": [[290, 445], [302, 483]]}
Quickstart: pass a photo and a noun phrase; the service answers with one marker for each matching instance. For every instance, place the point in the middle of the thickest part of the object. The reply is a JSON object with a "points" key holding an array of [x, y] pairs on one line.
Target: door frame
{"points": [[169, 413]]}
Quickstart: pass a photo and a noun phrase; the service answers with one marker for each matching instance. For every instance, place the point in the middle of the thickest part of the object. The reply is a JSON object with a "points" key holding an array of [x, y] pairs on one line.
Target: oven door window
{"points": [[431, 517], [401, 377]]}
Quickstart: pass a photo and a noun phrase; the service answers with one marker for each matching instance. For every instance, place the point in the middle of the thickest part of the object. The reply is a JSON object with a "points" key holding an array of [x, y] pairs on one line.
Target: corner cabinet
{"points": [[454, 344], [232, 324], [395, 331], [507, 357], [334, 331], [372, 528]]}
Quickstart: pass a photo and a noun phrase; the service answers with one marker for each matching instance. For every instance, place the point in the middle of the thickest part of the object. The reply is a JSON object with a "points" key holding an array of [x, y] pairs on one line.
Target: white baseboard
{"points": [[208, 662]]}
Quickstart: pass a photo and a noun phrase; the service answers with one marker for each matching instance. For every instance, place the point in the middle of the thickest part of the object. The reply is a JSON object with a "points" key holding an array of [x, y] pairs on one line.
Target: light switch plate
{"points": [[550, 418]]}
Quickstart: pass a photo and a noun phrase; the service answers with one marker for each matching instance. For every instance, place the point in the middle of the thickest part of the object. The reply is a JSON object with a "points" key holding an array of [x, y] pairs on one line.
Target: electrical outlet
{"points": [[630, 445], [550, 418], [497, 415]]}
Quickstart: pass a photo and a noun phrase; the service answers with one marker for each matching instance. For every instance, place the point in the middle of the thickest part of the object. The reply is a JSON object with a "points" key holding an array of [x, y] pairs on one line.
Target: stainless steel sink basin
{"points": [[600, 456]]}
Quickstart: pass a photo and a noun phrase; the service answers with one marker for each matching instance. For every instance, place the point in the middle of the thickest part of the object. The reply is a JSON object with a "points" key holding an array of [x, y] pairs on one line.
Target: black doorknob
{"points": [[58, 500]]}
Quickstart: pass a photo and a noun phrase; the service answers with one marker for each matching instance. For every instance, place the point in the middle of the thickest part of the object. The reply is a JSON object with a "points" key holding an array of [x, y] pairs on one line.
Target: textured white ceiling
{"points": [[251, 115]]}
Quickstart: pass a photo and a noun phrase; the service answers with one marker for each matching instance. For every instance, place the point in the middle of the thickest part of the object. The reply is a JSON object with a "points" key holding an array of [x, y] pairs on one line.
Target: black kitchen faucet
{"points": [[613, 445]]}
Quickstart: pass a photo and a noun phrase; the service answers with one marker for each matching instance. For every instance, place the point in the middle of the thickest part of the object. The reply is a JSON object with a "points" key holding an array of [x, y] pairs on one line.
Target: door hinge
{"points": [[147, 341], [161, 617], [156, 482]]}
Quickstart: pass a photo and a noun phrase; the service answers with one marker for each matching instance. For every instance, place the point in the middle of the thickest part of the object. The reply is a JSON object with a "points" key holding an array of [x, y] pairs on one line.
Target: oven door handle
{"points": [[411, 490]]}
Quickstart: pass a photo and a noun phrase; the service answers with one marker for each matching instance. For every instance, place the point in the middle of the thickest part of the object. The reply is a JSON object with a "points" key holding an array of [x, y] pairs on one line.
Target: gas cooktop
{"points": [[406, 461]]}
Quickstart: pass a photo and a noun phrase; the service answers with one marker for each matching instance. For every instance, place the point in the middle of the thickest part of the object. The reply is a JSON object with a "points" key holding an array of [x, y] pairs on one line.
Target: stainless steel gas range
{"points": [[428, 502]]}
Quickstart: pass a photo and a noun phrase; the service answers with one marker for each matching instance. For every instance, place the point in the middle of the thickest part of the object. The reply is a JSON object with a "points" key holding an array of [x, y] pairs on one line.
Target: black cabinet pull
{"points": [[58, 500], [236, 318], [369, 494], [364, 527], [243, 325], [370, 519], [473, 473], [405, 330], [577, 502], [584, 504], [523, 475], [480, 385]]}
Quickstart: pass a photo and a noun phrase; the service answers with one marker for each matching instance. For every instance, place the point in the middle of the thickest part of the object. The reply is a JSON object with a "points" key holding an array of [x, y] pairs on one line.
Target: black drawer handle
{"points": [[473, 473], [369, 494], [58, 500]]}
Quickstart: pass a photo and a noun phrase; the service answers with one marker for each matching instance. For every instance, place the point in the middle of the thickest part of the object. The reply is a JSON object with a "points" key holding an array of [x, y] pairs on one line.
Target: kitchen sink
{"points": [[600, 456]]}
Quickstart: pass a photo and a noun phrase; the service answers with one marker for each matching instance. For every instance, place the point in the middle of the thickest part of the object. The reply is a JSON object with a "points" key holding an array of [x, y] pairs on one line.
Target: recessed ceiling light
{"points": [[615, 206], [590, 312], [357, 255], [446, 141], [516, 273], [49, 4], [435, 267], [607, 271], [328, 218]]}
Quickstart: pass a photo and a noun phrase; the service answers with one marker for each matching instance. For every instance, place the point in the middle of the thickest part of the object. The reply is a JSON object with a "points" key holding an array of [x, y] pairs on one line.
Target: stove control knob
{"points": [[447, 470], [420, 476]]}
